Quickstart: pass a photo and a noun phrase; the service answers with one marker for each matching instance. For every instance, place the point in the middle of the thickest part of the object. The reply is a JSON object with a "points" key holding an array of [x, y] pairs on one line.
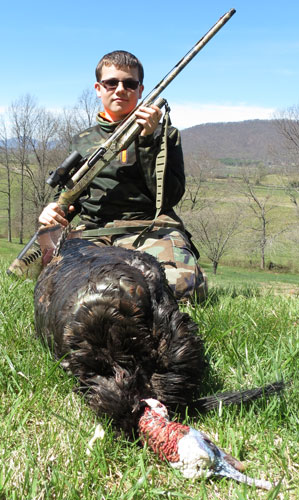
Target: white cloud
{"points": [[190, 114]]}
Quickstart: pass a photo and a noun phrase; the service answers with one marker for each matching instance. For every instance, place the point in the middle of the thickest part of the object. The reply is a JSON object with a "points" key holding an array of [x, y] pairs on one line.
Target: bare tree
{"points": [[81, 116], [6, 188], [198, 194], [34, 151], [259, 172], [67, 129], [43, 142], [287, 123], [39, 141], [214, 230], [193, 197], [86, 109], [21, 115], [261, 207]]}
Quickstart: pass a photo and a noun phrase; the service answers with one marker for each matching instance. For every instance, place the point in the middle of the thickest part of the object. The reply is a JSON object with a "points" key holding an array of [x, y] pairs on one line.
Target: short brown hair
{"points": [[120, 59]]}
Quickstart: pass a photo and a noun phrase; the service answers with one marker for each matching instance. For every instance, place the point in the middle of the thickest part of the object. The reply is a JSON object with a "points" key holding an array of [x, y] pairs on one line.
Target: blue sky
{"points": [[250, 69]]}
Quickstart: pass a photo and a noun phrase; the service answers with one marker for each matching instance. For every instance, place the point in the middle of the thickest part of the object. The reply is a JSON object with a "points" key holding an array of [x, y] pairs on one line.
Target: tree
{"points": [[34, 150], [81, 116], [86, 109], [21, 113], [5, 161], [193, 194], [39, 141], [198, 194], [261, 208], [259, 171], [287, 123], [213, 229], [43, 142]]}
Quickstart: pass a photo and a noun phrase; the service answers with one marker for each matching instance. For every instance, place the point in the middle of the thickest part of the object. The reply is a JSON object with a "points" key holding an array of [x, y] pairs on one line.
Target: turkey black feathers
{"points": [[110, 316], [110, 313]]}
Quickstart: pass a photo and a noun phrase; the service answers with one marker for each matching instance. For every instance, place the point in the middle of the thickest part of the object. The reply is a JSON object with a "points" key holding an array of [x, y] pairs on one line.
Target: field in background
{"points": [[226, 197], [261, 281]]}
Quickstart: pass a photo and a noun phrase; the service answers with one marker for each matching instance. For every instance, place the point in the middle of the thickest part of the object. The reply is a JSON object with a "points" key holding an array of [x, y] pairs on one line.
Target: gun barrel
{"points": [[189, 56], [150, 98]]}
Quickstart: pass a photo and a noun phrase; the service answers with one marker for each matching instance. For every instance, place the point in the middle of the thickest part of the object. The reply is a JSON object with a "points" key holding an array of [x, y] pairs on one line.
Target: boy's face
{"points": [[120, 101]]}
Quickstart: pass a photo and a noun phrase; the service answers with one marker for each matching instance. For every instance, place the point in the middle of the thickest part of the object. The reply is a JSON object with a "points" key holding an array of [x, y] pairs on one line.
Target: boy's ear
{"points": [[141, 88], [97, 86]]}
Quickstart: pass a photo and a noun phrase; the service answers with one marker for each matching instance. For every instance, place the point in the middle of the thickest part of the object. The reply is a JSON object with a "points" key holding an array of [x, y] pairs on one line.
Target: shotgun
{"points": [[75, 174]]}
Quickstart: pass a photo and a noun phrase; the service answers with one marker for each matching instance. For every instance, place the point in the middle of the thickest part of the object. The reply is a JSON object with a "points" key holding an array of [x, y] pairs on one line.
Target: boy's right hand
{"points": [[52, 214]]}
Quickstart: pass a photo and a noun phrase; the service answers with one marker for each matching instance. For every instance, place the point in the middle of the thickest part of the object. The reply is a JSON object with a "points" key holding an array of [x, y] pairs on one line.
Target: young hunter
{"points": [[123, 195]]}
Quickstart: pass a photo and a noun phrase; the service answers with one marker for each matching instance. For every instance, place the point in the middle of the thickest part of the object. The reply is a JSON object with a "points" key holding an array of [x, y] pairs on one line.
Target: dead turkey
{"points": [[110, 312], [110, 317]]}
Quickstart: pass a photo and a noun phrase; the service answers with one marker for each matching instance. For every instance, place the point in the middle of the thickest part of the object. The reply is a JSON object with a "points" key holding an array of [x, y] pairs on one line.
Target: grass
{"points": [[251, 339], [230, 278], [10, 250]]}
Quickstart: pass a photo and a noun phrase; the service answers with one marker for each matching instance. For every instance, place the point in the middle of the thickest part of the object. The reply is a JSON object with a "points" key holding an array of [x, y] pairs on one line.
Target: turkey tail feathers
{"points": [[237, 397]]}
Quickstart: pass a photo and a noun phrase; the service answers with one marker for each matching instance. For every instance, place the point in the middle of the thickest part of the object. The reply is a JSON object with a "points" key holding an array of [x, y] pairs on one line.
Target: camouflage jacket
{"points": [[126, 188]]}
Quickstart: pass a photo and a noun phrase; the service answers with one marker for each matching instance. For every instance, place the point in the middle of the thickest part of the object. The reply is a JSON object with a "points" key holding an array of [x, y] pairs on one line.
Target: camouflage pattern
{"points": [[168, 242], [172, 248], [126, 188]]}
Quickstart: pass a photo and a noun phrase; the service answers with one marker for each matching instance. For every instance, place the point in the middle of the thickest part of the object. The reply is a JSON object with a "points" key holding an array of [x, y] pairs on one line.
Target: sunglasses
{"points": [[112, 84]]}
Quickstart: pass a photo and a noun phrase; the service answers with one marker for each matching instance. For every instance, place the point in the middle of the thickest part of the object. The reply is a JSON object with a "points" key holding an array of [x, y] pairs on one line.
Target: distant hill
{"points": [[254, 140]]}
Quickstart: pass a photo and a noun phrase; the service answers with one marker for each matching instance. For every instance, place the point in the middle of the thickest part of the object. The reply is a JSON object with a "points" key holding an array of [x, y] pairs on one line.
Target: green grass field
{"points": [[252, 338], [235, 277]]}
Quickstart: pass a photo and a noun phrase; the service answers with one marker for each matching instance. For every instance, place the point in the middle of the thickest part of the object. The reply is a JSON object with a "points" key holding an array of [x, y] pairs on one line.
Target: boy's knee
{"points": [[187, 283], [173, 251]]}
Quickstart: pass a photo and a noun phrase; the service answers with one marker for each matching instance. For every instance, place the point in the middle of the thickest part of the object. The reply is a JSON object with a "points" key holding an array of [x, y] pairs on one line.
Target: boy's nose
{"points": [[120, 86]]}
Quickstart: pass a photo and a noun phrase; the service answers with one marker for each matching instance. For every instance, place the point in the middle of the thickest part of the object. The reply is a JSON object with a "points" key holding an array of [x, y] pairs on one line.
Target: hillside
{"points": [[254, 140]]}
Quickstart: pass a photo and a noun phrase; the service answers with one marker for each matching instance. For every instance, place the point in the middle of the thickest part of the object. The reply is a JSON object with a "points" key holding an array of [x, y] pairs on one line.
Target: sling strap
{"points": [[161, 162]]}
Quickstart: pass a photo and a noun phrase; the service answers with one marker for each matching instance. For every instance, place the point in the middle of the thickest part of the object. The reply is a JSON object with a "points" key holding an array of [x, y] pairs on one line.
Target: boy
{"points": [[123, 196]]}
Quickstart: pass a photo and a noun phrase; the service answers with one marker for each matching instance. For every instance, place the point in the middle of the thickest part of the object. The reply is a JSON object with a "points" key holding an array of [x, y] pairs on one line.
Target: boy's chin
{"points": [[119, 113]]}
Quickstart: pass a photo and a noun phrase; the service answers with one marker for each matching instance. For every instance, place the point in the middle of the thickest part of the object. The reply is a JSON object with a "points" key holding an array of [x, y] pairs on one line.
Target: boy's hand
{"points": [[52, 214], [149, 118]]}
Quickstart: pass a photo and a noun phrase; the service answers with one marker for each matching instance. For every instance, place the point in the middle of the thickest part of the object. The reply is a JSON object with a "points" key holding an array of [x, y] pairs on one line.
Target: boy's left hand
{"points": [[148, 118]]}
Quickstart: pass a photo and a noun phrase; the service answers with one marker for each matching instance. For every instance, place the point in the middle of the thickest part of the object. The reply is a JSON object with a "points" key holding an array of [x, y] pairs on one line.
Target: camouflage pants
{"points": [[171, 246]]}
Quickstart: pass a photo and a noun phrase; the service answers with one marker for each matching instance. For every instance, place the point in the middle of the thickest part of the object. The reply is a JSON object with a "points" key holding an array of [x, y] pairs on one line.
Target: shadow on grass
{"points": [[217, 292]]}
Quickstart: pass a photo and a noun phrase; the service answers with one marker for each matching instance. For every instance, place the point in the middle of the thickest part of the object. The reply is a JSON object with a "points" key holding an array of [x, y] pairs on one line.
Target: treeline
{"points": [[34, 141]]}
